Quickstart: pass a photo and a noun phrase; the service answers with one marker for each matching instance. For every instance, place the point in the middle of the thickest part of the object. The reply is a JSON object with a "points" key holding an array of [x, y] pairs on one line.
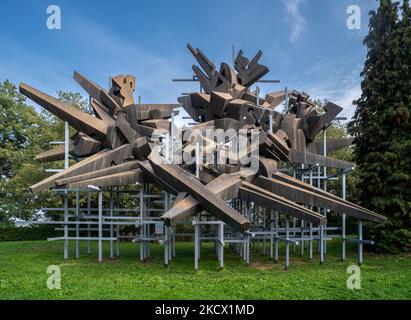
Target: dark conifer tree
{"points": [[382, 126]]}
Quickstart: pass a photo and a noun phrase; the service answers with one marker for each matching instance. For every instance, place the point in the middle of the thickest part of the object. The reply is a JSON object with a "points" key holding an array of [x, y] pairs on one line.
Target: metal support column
{"points": [[170, 244], [360, 243], [344, 217], [66, 145], [66, 224], [77, 224], [117, 227], [174, 241], [321, 243], [166, 243], [294, 233], [142, 256], [221, 243], [311, 225], [271, 234], [302, 237], [100, 226], [247, 261], [287, 244], [89, 225], [277, 234], [325, 186], [196, 241], [111, 226], [265, 226], [311, 241]]}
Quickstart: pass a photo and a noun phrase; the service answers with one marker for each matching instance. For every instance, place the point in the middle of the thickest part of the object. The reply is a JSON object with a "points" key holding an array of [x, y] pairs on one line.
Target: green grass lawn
{"points": [[23, 275]]}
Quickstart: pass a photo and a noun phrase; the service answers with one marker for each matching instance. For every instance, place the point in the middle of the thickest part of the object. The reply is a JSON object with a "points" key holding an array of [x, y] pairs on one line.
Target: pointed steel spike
{"points": [[332, 145], [302, 196], [251, 193], [181, 210], [126, 166], [332, 110], [205, 82], [275, 98], [315, 159], [253, 63], [224, 186], [150, 176], [85, 145], [55, 154], [97, 92], [116, 179], [78, 119], [203, 61], [299, 184], [100, 160], [101, 113], [183, 181], [317, 123]]}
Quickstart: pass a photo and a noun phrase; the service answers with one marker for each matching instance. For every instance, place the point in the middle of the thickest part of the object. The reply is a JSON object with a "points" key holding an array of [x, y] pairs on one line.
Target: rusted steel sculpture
{"points": [[118, 145]]}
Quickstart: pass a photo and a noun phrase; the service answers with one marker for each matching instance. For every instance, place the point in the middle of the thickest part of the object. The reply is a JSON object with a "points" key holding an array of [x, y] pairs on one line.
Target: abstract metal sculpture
{"points": [[120, 144]]}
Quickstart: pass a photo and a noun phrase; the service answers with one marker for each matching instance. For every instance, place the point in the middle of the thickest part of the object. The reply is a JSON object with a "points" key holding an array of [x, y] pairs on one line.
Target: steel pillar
{"points": [[343, 227], [360, 243], [66, 225], [100, 226], [287, 244]]}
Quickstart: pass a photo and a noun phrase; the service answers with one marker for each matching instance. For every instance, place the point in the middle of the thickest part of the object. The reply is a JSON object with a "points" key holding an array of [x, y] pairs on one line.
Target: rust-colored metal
{"points": [[121, 144]]}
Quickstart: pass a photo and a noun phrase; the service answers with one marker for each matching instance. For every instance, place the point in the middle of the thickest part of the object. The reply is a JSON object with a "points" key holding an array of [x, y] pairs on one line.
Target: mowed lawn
{"points": [[23, 275]]}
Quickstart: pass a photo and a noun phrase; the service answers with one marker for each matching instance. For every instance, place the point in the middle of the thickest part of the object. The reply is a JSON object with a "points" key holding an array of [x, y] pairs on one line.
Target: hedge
{"points": [[42, 232]]}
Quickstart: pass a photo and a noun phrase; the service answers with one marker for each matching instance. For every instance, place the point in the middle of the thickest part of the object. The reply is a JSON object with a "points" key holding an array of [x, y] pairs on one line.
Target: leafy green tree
{"points": [[382, 126], [20, 140], [24, 133]]}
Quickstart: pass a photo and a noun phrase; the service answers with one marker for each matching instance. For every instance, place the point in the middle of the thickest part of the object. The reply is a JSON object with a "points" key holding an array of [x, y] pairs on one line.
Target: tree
{"points": [[381, 126], [24, 133]]}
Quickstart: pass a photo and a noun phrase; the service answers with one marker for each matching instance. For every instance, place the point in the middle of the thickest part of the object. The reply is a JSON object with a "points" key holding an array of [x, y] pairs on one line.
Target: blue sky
{"points": [[306, 43]]}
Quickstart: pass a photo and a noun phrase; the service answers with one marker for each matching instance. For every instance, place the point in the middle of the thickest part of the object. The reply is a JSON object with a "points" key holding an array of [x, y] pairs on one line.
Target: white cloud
{"points": [[337, 80], [110, 54], [343, 96], [297, 20], [346, 99]]}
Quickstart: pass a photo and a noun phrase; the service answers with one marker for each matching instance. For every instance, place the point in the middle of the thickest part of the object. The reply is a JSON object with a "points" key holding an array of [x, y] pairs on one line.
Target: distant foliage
{"points": [[24, 133], [382, 126], [42, 232]]}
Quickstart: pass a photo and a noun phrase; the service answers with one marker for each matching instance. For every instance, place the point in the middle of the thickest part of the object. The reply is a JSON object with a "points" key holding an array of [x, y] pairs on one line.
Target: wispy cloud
{"points": [[337, 81], [346, 99], [343, 96], [297, 20]]}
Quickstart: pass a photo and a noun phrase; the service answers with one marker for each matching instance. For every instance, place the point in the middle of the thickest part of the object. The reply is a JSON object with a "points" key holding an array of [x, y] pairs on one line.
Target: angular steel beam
{"points": [[226, 187], [98, 93], [317, 159], [78, 119], [332, 145], [55, 154], [251, 193], [126, 166], [101, 112], [183, 181], [116, 179], [284, 184], [100, 160]]}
